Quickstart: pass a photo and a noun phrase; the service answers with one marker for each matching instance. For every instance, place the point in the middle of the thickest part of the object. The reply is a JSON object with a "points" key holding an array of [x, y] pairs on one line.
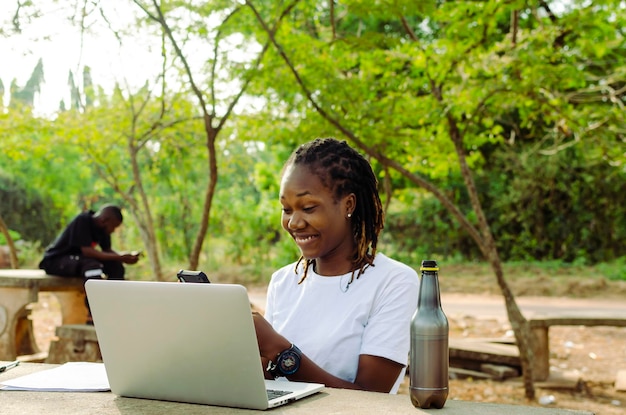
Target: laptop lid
{"points": [[171, 341]]}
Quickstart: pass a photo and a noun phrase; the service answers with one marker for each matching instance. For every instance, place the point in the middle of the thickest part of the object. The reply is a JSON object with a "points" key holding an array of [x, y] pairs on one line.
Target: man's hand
{"points": [[130, 258]]}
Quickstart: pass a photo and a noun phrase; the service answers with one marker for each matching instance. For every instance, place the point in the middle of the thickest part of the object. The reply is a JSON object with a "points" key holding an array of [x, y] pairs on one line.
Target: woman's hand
{"points": [[270, 342]]}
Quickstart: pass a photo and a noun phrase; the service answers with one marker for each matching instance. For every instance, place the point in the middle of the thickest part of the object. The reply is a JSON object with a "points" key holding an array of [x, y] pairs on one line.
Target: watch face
{"points": [[289, 362]]}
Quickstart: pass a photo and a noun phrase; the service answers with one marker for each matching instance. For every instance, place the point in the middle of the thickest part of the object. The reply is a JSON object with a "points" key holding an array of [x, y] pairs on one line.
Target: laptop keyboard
{"points": [[273, 394]]}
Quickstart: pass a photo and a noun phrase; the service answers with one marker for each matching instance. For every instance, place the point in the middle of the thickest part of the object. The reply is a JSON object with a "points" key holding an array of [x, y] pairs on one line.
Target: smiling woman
{"points": [[345, 306], [328, 174]]}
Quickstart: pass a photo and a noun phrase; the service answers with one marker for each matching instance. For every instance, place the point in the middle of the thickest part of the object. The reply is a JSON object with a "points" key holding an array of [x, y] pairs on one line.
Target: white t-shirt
{"points": [[333, 323]]}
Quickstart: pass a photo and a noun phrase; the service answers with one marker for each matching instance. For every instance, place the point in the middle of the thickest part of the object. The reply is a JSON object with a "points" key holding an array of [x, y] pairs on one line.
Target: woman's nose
{"points": [[295, 221]]}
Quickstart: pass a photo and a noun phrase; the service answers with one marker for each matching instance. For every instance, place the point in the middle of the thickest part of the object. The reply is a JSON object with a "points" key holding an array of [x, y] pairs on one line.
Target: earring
{"points": [[349, 215]]}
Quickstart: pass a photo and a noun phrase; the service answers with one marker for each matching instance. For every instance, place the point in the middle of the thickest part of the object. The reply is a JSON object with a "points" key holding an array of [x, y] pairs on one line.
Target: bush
{"points": [[27, 212]]}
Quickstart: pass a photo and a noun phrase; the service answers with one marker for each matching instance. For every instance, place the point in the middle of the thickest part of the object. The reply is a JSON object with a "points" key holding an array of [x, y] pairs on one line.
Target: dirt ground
{"points": [[591, 354]]}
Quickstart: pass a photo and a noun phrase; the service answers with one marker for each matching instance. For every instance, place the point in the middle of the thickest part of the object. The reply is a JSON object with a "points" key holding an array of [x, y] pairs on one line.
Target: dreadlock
{"points": [[343, 170]]}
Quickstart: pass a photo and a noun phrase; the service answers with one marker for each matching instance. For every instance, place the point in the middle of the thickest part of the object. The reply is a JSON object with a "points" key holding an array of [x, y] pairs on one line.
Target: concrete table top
{"points": [[329, 401]]}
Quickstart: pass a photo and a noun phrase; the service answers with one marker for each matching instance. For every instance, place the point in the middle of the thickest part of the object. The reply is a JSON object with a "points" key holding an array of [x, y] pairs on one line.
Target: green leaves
{"points": [[513, 81]]}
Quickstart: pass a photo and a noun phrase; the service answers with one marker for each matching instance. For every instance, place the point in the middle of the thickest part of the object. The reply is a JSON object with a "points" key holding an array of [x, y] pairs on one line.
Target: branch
{"points": [[256, 65], [408, 29], [480, 106], [16, 18], [546, 7], [160, 19], [385, 161], [214, 65], [514, 27], [333, 23]]}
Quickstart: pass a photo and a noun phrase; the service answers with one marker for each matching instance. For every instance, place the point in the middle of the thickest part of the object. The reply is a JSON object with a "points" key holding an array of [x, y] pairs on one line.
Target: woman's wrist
{"points": [[278, 348]]}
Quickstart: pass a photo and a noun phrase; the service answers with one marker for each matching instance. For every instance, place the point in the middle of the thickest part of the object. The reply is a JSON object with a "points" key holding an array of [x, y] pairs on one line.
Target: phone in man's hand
{"points": [[192, 276]]}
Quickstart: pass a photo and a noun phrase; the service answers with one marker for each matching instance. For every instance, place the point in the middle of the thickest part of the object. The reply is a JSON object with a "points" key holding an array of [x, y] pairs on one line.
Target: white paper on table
{"points": [[69, 377]]}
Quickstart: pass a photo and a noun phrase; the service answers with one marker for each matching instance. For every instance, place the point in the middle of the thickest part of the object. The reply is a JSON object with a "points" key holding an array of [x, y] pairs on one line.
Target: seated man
{"points": [[74, 252]]}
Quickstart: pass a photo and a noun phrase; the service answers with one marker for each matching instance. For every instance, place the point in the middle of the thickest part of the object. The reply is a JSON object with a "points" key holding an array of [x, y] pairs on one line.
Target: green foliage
{"points": [[536, 93], [564, 207], [418, 227], [28, 214], [614, 270], [539, 112], [33, 152], [15, 236], [567, 206]]}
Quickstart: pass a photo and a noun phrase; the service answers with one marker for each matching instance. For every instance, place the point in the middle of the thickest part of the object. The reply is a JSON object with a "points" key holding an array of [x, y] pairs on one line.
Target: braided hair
{"points": [[343, 170]]}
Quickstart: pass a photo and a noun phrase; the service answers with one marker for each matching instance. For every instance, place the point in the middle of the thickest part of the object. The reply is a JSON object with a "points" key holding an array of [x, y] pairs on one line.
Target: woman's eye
{"points": [[308, 208], [286, 211]]}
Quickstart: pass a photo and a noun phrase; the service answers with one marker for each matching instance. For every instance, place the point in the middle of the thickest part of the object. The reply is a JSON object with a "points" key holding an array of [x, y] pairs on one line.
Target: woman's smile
{"points": [[304, 239]]}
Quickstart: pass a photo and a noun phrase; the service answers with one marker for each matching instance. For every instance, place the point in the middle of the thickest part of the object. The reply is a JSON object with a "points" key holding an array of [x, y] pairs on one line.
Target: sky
{"points": [[62, 48]]}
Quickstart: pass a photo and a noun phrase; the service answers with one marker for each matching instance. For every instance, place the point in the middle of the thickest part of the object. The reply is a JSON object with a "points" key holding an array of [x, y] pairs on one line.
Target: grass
{"points": [[525, 279], [537, 279]]}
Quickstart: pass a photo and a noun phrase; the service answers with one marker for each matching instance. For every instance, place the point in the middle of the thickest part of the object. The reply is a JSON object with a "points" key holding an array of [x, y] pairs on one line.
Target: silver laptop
{"points": [[192, 343]]}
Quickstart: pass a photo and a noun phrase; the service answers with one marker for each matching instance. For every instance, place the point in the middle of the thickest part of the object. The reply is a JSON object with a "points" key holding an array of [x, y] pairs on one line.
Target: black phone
{"points": [[192, 276]]}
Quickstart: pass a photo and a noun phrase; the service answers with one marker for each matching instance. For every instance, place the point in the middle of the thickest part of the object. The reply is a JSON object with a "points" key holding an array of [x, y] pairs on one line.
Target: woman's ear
{"points": [[349, 204]]}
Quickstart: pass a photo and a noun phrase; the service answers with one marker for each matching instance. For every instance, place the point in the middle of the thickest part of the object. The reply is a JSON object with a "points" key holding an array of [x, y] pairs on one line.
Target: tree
{"points": [[160, 107], [25, 97], [443, 83], [208, 104]]}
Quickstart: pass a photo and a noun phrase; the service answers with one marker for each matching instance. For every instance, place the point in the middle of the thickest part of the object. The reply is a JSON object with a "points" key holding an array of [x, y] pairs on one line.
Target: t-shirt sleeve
{"points": [[80, 234], [388, 330]]}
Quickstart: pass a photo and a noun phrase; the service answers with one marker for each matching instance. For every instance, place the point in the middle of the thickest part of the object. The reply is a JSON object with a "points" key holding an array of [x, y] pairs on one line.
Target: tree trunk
{"points": [[211, 134], [520, 325], [12, 251]]}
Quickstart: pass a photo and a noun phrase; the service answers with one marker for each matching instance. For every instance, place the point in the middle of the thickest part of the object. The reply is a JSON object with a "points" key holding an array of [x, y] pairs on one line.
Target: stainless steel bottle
{"points": [[429, 357]]}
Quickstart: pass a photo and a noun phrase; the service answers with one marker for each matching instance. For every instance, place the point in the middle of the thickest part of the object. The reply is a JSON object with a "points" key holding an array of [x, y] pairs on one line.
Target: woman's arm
{"points": [[374, 373]]}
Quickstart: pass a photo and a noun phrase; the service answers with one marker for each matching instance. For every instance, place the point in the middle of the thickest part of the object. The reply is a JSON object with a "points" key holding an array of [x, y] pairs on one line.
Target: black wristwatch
{"points": [[287, 362]]}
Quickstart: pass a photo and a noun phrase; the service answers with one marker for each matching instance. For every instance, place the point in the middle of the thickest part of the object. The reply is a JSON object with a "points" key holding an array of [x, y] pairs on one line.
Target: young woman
{"points": [[341, 314]]}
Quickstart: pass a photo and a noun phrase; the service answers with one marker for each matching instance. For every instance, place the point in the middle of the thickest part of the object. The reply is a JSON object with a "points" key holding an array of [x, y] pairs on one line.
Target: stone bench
{"points": [[74, 343], [19, 288], [541, 326]]}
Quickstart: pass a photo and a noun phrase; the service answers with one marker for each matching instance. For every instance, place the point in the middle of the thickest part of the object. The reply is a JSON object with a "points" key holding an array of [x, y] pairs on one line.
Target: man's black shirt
{"points": [[80, 232]]}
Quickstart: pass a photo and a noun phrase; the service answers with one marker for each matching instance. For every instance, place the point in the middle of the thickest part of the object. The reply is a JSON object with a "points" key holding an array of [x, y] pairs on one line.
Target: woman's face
{"points": [[318, 224]]}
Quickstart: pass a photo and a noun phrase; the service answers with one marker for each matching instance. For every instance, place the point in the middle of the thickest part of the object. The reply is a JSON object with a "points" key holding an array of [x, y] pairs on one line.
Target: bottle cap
{"points": [[429, 265]]}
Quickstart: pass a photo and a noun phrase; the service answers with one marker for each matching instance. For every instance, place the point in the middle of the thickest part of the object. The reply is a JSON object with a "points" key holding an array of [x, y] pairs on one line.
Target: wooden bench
{"points": [[19, 288], [470, 354], [541, 326]]}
